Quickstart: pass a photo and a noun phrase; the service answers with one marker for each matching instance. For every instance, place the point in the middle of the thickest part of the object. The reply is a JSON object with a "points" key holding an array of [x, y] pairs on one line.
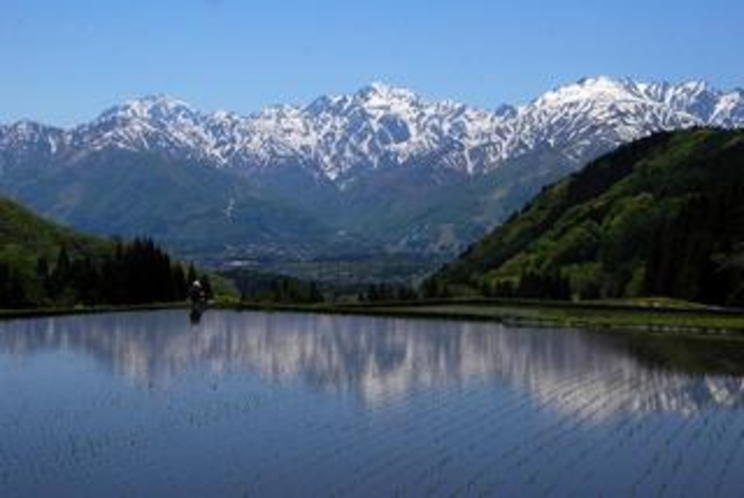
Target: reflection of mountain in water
{"points": [[377, 358]]}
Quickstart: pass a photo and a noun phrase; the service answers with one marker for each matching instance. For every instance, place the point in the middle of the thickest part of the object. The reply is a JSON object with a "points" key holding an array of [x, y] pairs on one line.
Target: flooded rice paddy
{"points": [[260, 404]]}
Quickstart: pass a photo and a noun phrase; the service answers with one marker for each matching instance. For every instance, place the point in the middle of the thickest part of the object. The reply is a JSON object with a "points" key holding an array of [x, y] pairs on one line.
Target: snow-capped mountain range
{"points": [[338, 136], [357, 146]]}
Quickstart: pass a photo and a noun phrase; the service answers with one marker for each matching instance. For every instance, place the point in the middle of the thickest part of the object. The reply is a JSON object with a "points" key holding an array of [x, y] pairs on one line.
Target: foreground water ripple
{"points": [[145, 404]]}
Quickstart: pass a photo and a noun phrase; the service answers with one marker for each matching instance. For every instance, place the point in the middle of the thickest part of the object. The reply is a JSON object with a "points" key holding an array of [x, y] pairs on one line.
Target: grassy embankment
{"points": [[12, 314], [648, 315]]}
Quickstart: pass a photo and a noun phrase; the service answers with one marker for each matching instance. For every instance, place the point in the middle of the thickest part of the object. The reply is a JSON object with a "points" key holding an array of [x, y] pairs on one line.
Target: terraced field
{"points": [[245, 404]]}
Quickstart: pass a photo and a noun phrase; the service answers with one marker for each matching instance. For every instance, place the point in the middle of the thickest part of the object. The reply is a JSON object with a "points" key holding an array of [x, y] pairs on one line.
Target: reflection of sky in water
{"points": [[376, 359], [145, 404]]}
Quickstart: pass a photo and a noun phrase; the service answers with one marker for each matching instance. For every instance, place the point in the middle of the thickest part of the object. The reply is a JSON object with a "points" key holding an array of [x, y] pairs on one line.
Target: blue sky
{"points": [[64, 61]]}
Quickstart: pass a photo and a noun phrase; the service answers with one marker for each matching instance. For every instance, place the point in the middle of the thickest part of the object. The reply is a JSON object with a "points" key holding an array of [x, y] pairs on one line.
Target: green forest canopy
{"points": [[659, 217], [44, 264]]}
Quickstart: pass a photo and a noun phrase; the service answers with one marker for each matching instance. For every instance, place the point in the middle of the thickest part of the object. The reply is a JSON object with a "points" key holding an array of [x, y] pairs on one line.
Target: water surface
{"points": [[146, 404]]}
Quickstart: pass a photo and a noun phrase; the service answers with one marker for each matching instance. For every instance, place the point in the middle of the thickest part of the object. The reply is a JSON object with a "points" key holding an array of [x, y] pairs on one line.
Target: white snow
{"points": [[341, 136]]}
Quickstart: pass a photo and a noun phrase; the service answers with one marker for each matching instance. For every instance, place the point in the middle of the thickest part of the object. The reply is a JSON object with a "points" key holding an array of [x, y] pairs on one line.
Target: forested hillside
{"points": [[44, 264], [659, 217]]}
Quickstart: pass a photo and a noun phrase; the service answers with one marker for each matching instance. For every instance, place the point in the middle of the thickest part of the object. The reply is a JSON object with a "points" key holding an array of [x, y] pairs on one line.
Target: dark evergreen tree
{"points": [[207, 286], [43, 275], [12, 290], [61, 275], [315, 296], [191, 275], [180, 286]]}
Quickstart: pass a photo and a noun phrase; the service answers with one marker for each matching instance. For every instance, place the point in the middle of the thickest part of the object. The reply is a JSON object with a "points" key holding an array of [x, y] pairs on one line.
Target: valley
{"points": [[373, 175]]}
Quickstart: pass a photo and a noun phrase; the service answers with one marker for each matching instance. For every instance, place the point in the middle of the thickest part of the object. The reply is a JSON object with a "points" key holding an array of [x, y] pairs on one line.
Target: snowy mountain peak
{"points": [[278, 111], [223, 115], [158, 107], [506, 111], [160, 100], [380, 97], [695, 87], [380, 125], [385, 91], [154, 123], [588, 89], [321, 104], [26, 128]]}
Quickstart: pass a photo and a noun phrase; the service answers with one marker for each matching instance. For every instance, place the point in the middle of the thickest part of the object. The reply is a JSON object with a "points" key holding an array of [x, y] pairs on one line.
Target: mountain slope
{"points": [[339, 138], [381, 169], [46, 264], [183, 203], [26, 236], [661, 216]]}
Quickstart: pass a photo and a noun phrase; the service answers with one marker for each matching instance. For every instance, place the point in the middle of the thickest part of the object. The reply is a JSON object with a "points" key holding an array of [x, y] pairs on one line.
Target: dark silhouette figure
{"points": [[198, 300]]}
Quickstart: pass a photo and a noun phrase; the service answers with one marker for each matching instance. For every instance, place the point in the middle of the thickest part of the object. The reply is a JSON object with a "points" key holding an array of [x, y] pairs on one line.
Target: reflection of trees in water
{"points": [[375, 357]]}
